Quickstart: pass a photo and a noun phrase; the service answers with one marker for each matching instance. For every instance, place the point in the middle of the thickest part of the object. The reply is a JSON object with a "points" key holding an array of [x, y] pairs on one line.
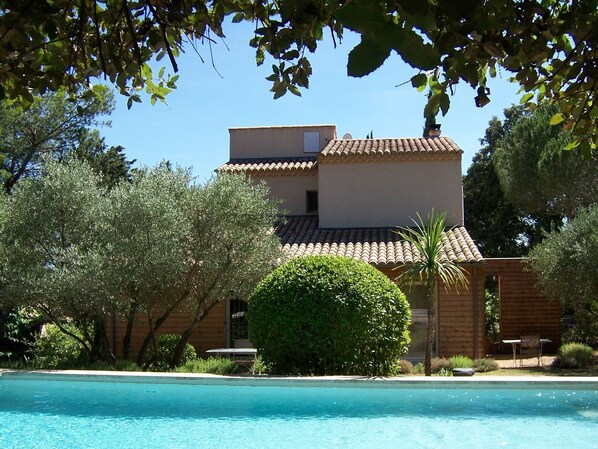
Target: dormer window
{"points": [[311, 197]]}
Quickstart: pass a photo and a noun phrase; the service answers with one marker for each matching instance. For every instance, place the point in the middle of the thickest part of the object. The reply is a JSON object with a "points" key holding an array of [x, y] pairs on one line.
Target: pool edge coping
{"points": [[518, 382]]}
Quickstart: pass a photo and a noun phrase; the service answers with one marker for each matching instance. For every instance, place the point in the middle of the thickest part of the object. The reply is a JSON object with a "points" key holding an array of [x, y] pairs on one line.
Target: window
{"points": [[311, 201], [239, 329], [311, 141]]}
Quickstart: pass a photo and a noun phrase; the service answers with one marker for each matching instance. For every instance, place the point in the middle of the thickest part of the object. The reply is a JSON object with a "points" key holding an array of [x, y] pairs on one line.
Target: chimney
{"points": [[434, 130]]}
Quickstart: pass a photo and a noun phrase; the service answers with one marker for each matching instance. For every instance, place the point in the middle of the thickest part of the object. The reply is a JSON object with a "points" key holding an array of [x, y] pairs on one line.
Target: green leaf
{"points": [[420, 81], [366, 57], [527, 97], [259, 55], [571, 146], [415, 52], [557, 118], [294, 90], [445, 103], [360, 17]]}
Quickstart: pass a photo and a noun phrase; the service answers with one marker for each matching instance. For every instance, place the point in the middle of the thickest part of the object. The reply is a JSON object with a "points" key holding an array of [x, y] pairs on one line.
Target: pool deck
{"points": [[514, 382]]}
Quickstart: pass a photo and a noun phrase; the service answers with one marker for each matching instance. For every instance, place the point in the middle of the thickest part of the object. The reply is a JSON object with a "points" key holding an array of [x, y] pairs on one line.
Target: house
{"points": [[346, 197]]}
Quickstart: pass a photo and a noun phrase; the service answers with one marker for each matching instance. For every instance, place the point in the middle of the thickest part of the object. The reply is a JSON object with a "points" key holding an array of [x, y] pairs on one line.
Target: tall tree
{"points": [[499, 228], [55, 263], [53, 126], [549, 46], [537, 175], [109, 162], [81, 253], [565, 263], [430, 267], [231, 244], [146, 233]]}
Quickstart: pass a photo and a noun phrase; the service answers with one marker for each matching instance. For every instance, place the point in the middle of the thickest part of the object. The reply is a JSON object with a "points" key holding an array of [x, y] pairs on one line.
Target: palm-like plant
{"points": [[430, 263]]}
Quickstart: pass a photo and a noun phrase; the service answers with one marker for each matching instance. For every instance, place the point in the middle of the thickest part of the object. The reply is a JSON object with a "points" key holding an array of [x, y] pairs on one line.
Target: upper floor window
{"points": [[311, 141], [311, 201]]}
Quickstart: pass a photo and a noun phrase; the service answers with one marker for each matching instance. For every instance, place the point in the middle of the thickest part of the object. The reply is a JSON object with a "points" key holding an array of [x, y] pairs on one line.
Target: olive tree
{"points": [[146, 234], [138, 252], [231, 244], [324, 315], [54, 260], [565, 263]]}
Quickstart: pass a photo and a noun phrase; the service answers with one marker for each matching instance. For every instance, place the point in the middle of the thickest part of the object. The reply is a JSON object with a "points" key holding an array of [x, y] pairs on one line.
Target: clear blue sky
{"points": [[192, 129]]}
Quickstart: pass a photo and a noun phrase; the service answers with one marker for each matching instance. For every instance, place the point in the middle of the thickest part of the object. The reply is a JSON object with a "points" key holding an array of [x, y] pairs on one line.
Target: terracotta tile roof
{"points": [[300, 236], [390, 149], [282, 166]]}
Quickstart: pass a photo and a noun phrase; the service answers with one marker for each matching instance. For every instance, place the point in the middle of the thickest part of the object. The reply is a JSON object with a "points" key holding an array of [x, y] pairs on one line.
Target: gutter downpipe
{"points": [[475, 312]]}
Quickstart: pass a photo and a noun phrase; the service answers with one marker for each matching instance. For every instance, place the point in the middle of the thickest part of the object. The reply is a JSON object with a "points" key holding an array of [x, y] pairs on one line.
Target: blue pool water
{"points": [[76, 414]]}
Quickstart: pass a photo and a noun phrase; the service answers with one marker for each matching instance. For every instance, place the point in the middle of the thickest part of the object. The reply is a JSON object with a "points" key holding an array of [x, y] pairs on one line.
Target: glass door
{"points": [[418, 302]]}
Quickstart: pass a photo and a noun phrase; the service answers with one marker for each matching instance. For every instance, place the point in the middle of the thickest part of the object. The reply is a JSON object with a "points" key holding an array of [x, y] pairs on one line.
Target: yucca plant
{"points": [[430, 263]]}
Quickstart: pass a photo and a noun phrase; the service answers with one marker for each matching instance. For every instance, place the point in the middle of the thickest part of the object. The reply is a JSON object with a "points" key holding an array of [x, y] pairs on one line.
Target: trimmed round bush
{"points": [[573, 356], [325, 315], [159, 357]]}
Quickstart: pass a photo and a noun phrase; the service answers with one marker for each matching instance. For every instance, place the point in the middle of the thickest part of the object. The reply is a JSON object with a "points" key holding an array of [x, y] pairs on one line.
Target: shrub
{"points": [[18, 328], [485, 365], [53, 349], [119, 365], [460, 361], [405, 367], [259, 366], [439, 364], [574, 355], [212, 365], [492, 312], [324, 315], [446, 372], [418, 368], [159, 358]]}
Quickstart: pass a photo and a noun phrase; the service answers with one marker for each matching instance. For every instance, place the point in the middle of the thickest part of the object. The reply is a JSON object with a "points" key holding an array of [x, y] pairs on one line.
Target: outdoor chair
{"points": [[530, 346]]}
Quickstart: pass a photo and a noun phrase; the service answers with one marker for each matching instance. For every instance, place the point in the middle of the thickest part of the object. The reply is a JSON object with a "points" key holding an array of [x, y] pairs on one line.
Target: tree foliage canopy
{"points": [[498, 226], [550, 46], [52, 249], [79, 252], [58, 127], [566, 266], [537, 175]]}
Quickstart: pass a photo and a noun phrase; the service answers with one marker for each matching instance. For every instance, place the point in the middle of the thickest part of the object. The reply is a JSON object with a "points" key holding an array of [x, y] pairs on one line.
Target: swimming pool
{"points": [[170, 412]]}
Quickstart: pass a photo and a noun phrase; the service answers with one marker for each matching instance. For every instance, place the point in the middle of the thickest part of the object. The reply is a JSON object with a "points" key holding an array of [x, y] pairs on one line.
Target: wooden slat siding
{"points": [[456, 322], [211, 332], [524, 309], [455, 317]]}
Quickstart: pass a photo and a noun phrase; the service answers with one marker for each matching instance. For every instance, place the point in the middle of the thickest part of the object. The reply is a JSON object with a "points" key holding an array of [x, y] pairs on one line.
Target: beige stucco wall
{"points": [[386, 194], [275, 141], [291, 189]]}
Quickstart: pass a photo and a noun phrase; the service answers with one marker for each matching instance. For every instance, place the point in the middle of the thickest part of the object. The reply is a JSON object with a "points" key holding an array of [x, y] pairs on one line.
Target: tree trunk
{"points": [[431, 327], [201, 311], [157, 324], [129, 330]]}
